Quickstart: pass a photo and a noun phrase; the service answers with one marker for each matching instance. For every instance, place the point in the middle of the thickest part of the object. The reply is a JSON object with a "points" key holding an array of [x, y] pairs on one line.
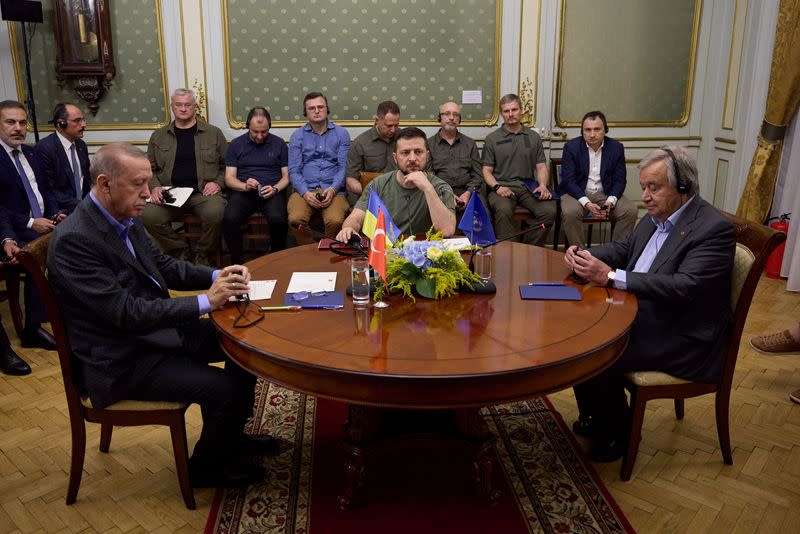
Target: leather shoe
{"points": [[229, 476], [585, 427], [12, 364], [37, 338], [257, 445], [606, 450]]}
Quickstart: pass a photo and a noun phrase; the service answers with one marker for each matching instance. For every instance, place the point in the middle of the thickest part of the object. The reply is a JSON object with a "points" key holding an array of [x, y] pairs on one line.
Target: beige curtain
{"points": [[782, 100]]}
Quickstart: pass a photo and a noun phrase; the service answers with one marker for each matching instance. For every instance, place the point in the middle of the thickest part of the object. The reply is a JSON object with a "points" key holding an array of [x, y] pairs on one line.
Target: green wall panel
{"points": [[633, 59], [136, 96], [419, 53]]}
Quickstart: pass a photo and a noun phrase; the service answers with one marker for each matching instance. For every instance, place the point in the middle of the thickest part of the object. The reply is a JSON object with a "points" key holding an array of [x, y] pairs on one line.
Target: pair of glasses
{"points": [[315, 108], [303, 295]]}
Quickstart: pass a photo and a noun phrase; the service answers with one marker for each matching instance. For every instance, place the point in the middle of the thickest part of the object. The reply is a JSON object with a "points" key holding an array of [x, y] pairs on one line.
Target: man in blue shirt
{"points": [[317, 161], [256, 175], [678, 263]]}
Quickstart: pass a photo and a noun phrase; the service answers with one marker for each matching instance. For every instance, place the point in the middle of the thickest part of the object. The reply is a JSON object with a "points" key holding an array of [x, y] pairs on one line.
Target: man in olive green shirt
{"points": [[454, 157], [416, 200], [372, 150], [510, 155], [186, 153]]}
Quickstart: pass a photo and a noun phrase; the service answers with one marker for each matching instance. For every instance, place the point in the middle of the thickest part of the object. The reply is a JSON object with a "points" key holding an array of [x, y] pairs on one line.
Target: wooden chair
{"points": [[12, 277], [122, 413], [754, 243], [366, 177]]}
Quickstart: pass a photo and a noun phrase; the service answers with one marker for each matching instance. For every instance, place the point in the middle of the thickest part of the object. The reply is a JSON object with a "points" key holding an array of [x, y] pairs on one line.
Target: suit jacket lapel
{"points": [[115, 242], [643, 234], [677, 235], [83, 161], [585, 161], [13, 172], [138, 238]]}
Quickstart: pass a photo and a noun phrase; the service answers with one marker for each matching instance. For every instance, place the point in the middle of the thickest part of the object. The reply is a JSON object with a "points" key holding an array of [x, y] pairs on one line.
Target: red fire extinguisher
{"points": [[775, 260]]}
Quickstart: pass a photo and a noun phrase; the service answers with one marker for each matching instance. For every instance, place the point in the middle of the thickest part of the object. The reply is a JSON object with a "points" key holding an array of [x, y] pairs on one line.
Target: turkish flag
{"points": [[377, 247]]}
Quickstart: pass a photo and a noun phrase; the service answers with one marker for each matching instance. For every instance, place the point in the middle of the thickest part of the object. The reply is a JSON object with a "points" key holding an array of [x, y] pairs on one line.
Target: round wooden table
{"points": [[459, 353]]}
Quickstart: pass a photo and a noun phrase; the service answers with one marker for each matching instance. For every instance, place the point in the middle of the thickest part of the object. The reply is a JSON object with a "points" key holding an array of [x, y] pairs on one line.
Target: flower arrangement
{"points": [[426, 267]]}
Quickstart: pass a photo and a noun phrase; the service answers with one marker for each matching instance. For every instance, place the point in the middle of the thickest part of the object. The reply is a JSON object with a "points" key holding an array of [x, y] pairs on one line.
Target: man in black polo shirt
{"points": [[256, 175], [186, 153]]}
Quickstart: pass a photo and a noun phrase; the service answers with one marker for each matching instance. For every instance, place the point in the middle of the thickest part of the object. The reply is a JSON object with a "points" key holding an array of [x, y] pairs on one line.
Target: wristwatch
{"points": [[612, 276], [495, 187]]}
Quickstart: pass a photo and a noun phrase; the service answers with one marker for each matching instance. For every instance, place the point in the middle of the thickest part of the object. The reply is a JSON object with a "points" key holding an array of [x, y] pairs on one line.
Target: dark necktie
{"points": [[35, 209], [76, 172]]}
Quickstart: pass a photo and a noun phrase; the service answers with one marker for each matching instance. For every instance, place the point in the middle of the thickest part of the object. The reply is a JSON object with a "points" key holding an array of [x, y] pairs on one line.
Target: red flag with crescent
{"points": [[377, 247]]}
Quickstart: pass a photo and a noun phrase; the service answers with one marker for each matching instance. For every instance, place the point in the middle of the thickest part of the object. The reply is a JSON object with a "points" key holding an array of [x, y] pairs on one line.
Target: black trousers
{"points": [[225, 395], [240, 206], [35, 313]]}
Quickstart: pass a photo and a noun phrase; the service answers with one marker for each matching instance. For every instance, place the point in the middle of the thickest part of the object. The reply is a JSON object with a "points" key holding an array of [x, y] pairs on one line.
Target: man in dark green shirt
{"points": [[511, 154], [372, 150], [416, 200], [454, 157]]}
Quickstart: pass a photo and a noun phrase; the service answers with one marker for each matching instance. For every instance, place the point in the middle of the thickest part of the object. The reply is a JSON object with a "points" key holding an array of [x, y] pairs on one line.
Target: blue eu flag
{"points": [[476, 224]]}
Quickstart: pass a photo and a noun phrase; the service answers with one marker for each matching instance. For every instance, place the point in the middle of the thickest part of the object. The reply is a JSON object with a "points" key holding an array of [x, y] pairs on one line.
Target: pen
{"points": [[279, 308], [550, 284]]}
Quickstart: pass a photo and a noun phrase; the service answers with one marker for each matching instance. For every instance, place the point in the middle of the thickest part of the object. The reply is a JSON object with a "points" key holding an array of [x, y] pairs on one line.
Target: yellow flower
{"points": [[434, 253]]}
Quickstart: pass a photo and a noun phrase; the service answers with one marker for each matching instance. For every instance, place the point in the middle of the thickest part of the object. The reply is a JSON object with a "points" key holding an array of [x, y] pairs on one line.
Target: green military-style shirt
{"points": [[513, 156], [407, 207], [370, 153], [210, 147], [457, 164]]}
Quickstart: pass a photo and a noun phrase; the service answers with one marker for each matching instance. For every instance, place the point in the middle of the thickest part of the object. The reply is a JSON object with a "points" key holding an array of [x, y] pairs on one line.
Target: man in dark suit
{"points": [[135, 342], [31, 209], [678, 263], [593, 179], [10, 362], [64, 157]]}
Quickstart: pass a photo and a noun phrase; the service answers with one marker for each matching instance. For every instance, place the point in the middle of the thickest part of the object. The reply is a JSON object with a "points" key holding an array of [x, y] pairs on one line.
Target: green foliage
{"points": [[443, 279]]}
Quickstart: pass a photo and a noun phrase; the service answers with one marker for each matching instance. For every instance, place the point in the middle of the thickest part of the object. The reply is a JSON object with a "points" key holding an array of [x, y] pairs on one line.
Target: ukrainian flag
{"points": [[374, 204]]}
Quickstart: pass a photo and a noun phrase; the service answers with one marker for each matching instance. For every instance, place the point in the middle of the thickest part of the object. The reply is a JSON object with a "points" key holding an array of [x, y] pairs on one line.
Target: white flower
{"points": [[434, 253]]}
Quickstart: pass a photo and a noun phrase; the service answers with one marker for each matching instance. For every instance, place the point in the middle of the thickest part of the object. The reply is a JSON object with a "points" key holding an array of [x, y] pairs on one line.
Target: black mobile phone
{"points": [[167, 197], [54, 218]]}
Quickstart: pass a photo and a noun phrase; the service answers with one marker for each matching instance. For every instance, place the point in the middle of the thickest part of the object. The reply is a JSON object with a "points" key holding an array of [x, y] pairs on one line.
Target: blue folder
{"points": [[549, 292], [332, 300]]}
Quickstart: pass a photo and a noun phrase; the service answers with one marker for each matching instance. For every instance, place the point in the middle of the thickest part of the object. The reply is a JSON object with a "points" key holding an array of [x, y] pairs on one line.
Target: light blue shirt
{"points": [[121, 228], [318, 160], [652, 248]]}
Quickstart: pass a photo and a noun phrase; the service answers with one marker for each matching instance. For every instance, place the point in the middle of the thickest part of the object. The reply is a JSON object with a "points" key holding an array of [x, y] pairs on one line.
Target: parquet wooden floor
{"points": [[679, 484]]}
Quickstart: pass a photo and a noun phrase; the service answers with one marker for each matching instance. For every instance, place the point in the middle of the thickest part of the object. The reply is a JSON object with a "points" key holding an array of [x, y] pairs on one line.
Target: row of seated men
{"points": [[132, 340], [322, 166]]}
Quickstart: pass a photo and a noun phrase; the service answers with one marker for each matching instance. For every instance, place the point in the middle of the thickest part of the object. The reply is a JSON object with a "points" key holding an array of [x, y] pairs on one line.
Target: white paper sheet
{"points": [[309, 281], [472, 97], [456, 243], [260, 290]]}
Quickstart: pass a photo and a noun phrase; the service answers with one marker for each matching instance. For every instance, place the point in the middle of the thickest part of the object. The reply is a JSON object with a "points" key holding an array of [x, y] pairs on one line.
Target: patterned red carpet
{"points": [[547, 484]]}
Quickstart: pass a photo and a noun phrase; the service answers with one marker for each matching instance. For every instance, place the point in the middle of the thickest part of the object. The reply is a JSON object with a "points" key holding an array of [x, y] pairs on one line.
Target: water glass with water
{"points": [[483, 262], [359, 271]]}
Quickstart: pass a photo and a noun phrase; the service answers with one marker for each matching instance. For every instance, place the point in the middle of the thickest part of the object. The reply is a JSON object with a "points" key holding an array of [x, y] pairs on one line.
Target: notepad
{"points": [[328, 301], [312, 281], [549, 292], [259, 290]]}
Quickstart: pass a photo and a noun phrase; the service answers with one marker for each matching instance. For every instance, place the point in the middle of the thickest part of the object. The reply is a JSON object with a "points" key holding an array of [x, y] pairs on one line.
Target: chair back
{"points": [[34, 258], [754, 243], [366, 177]]}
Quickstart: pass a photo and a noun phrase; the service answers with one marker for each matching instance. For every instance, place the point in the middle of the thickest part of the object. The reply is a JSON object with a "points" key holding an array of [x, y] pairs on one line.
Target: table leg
{"points": [[482, 443], [362, 424]]}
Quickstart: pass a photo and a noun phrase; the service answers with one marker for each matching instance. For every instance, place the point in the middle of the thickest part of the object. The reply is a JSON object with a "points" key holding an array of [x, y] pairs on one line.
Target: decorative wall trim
{"points": [[18, 69], [240, 125], [682, 121], [734, 64]]}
